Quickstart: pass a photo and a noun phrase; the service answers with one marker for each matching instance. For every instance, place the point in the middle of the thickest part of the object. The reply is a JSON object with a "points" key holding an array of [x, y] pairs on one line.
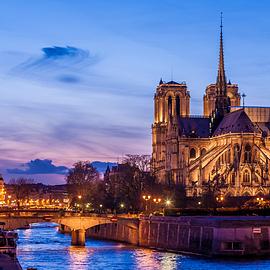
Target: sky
{"points": [[77, 77]]}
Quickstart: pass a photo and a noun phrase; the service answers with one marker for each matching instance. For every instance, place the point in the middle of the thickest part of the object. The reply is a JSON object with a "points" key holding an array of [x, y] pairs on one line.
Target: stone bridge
{"points": [[77, 224]]}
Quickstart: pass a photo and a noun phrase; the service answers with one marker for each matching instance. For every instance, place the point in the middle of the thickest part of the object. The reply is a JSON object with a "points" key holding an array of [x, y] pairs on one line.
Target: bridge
{"points": [[76, 223]]}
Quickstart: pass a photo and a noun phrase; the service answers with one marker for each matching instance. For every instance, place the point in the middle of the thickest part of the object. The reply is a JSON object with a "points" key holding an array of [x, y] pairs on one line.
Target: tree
{"points": [[81, 180], [21, 188], [123, 186], [142, 162]]}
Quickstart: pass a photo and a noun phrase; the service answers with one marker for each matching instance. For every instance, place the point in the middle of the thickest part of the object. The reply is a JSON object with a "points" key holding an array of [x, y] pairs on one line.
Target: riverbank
{"points": [[43, 247], [203, 235]]}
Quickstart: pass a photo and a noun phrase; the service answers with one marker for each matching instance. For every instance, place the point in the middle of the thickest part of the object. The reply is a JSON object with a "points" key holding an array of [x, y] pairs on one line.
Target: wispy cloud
{"points": [[62, 64]]}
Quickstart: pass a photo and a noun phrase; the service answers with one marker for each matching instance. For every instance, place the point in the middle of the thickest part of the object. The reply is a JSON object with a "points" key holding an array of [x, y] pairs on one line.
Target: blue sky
{"points": [[77, 78]]}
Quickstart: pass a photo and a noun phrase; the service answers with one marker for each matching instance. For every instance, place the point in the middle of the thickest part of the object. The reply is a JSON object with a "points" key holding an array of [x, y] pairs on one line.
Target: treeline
{"points": [[122, 187]]}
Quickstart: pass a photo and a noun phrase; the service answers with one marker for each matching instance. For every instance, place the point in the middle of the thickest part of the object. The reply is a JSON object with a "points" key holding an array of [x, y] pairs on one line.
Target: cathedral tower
{"points": [[172, 101]]}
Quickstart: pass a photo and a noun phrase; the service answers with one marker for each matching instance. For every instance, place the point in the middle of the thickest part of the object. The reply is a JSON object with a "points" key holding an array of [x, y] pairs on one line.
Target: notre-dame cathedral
{"points": [[228, 145]]}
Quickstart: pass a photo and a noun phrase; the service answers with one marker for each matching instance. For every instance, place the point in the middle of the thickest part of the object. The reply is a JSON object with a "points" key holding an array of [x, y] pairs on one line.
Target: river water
{"points": [[43, 247]]}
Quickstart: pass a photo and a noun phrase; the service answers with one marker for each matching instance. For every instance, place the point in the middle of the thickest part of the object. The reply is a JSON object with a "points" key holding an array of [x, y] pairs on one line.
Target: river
{"points": [[43, 247]]}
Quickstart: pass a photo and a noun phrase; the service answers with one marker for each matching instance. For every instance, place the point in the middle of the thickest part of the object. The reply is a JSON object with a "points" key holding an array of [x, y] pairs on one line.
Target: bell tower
{"points": [[172, 100]]}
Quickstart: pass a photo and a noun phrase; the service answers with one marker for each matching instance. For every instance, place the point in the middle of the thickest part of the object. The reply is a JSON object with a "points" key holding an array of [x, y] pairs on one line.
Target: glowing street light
{"points": [[168, 202], [157, 200], [122, 205], [79, 197], [146, 198]]}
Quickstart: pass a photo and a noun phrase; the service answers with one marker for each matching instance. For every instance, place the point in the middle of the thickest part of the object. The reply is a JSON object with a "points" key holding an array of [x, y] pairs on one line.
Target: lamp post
{"points": [[146, 198], [156, 201], [9, 197], [79, 204], [220, 200]]}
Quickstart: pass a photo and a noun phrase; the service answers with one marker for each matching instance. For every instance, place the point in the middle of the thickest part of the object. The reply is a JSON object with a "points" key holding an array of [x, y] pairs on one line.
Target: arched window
{"points": [[177, 104], [203, 151], [192, 153], [170, 105], [246, 178], [247, 155], [236, 150], [233, 179], [229, 156]]}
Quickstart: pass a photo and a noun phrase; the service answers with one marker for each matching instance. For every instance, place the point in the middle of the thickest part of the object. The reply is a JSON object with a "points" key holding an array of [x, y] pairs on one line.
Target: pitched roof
{"points": [[194, 127], [172, 82], [235, 122]]}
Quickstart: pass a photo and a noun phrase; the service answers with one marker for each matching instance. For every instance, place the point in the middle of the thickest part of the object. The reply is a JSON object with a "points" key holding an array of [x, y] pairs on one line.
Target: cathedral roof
{"points": [[194, 127], [172, 82], [235, 122]]}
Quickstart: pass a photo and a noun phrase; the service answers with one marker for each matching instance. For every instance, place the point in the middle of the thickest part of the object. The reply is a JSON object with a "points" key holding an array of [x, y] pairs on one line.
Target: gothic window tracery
{"points": [[246, 177]]}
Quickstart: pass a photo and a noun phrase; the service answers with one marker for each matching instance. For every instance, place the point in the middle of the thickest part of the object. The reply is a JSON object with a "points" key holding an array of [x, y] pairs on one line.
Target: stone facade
{"points": [[228, 146]]}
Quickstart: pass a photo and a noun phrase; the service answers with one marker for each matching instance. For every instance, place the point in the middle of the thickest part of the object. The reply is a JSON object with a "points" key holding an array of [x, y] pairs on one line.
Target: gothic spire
{"points": [[221, 77], [222, 103]]}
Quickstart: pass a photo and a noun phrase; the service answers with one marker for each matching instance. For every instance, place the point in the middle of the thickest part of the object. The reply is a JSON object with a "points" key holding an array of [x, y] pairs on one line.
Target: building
{"points": [[227, 147]]}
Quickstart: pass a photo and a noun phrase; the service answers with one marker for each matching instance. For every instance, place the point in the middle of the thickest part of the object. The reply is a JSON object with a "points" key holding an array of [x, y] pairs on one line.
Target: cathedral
{"points": [[227, 147]]}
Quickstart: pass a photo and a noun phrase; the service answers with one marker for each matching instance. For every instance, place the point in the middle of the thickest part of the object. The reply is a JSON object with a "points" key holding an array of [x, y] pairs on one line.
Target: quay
{"points": [[8, 263], [201, 235]]}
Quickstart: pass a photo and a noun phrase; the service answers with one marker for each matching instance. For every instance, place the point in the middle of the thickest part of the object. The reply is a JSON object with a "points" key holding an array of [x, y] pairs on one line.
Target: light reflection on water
{"points": [[43, 247]]}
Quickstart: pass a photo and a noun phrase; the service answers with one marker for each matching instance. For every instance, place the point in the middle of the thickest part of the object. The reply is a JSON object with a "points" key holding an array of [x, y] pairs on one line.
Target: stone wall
{"points": [[115, 232], [234, 236]]}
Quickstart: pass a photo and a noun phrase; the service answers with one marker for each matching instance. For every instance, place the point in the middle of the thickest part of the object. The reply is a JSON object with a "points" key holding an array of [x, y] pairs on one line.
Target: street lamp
{"points": [[100, 206], [9, 197], [168, 203], [146, 198]]}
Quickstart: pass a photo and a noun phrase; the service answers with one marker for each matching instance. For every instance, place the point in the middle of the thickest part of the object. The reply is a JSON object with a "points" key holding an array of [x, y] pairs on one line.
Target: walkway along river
{"points": [[43, 247]]}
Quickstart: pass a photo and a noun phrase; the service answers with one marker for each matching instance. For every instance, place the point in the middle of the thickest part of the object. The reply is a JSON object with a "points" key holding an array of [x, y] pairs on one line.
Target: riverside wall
{"points": [[234, 236], [116, 232]]}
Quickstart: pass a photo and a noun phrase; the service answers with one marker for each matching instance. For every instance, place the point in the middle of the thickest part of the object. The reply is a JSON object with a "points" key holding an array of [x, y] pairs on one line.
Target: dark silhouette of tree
{"points": [[123, 186], [81, 181]]}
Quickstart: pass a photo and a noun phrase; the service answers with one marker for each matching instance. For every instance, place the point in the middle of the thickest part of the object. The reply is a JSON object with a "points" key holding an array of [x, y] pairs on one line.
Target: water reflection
{"points": [[78, 258], [43, 247]]}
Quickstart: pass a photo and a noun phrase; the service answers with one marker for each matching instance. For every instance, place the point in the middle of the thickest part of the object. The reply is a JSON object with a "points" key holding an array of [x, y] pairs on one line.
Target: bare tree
{"points": [[142, 162]]}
